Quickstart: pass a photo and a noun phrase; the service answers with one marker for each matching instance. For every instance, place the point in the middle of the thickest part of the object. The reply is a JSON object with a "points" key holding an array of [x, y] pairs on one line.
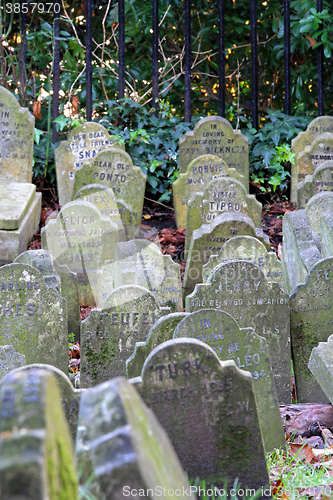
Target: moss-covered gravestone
{"points": [[9, 360], [321, 180], [321, 204], [33, 317], [121, 448], [36, 455], [241, 289], [108, 336], [160, 332], [311, 323], [321, 366], [208, 410], [250, 249], [326, 229], [82, 145]]}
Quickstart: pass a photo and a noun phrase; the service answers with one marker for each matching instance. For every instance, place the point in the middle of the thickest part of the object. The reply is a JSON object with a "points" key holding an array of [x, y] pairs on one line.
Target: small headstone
{"points": [[241, 289], [108, 336], [114, 169], [250, 352], [321, 366], [311, 157], [16, 139], [208, 240], [214, 135], [41, 260], [33, 317], [326, 229], [83, 240], [160, 332], [321, 180], [82, 145], [9, 360], [199, 172], [220, 196], [121, 447], [311, 323], [36, 452], [208, 410], [249, 249], [321, 204]]}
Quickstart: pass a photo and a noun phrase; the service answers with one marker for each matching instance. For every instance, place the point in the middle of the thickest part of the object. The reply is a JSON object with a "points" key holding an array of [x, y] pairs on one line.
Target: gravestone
{"points": [[214, 135], [199, 172], [16, 139], [326, 229], [120, 212], [121, 448], [108, 335], [69, 290], [311, 322], [321, 204], [241, 289], [208, 410], [321, 366], [82, 145], [318, 126], [83, 240], [249, 249], [16, 199], [114, 169], [36, 455], [208, 240], [220, 196], [33, 317], [250, 352], [9, 360], [321, 180], [161, 331], [41, 260]]}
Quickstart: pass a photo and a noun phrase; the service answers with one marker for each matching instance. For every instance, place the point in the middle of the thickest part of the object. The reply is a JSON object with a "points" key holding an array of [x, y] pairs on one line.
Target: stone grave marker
{"points": [[311, 322], [9, 360], [114, 169], [108, 335], [199, 172], [318, 126], [214, 135], [321, 180], [321, 204], [16, 139], [33, 317], [220, 196], [41, 260], [208, 240], [250, 352], [161, 331], [82, 145], [250, 249], [123, 447], [36, 452], [16, 198], [208, 410], [321, 366], [326, 229], [83, 240], [241, 289]]}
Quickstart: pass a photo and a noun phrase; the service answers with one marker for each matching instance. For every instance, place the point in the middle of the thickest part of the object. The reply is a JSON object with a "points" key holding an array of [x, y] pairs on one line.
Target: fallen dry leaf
{"points": [[301, 451]]}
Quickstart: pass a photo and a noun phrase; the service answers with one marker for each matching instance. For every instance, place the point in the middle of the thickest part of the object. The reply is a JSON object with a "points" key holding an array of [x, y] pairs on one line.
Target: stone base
{"points": [[13, 243]]}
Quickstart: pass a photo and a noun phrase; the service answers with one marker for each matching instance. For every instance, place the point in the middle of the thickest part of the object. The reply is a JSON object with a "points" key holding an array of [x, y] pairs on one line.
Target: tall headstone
{"points": [[208, 410], [321, 204], [82, 145], [123, 448], [108, 336], [241, 289], [321, 366], [321, 180], [9, 360]]}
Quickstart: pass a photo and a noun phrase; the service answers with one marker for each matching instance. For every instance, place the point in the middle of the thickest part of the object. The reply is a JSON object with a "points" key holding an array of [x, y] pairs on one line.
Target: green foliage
{"points": [[208, 491]]}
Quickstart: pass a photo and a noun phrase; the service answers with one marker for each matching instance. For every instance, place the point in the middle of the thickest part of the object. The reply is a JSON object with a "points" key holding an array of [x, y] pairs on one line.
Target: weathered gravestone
{"points": [[300, 249], [241, 289], [250, 249], [326, 229], [321, 366], [316, 127], [199, 172], [83, 240], [16, 139], [160, 332], [321, 204], [250, 352], [311, 322], [208, 240], [108, 336], [82, 145], [321, 180], [220, 196], [114, 169], [120, 212], [208, 410], [123, 448], [36, 455], [214, 135], [33, 317], [41, 260], [9, 360]]}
